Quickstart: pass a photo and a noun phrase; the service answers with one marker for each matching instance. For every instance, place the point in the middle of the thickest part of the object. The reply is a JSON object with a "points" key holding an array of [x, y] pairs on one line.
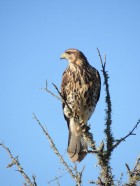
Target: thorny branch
{"points": [[15, 161], [77, 176], [104, 156], [108, 131], [102, 63]]}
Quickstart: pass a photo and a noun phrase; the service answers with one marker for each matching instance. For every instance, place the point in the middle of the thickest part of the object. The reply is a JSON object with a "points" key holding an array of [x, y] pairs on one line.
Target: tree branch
{"points": [[47, 90], [15, 161], [74, 176], [105, 155], [129, 134]]}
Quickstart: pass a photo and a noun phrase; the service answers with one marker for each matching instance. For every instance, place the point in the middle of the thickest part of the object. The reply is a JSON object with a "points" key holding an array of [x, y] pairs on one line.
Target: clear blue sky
{"points": [[33, 34]]}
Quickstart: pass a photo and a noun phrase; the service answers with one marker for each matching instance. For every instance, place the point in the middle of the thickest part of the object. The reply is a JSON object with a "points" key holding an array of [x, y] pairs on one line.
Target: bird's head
{"points": [[73, 56]]}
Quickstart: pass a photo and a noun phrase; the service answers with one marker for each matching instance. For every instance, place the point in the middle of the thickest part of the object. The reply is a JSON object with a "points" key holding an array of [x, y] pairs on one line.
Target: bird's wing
{"points": [[63, 92]]}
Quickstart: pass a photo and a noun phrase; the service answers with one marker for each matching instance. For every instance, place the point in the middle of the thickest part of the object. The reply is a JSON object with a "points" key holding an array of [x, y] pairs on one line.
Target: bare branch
{"points": [[58, 90], [79, 174], [103, 64], [47, 90], [15, 161], [119, 182], [56, 179], [57, 152], [34, 180], [127, 166], [129, 134], [63, 100], [57, 182], [92, 182]]}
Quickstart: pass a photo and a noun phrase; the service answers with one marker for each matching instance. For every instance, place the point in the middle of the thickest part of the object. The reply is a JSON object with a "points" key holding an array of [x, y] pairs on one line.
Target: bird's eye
{"points": [[68, 52]]}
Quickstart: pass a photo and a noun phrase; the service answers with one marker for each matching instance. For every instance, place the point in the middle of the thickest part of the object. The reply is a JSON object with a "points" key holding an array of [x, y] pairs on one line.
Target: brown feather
{"points": [[80, 87]]}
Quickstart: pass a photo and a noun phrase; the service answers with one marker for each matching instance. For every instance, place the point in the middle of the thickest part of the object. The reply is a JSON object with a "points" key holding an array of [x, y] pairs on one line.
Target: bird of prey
{"points": [[80, 90]]}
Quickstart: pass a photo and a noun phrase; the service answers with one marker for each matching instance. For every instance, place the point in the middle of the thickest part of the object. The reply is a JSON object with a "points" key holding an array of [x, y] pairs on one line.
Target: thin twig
{"points": [[103, 64], [119, 182], [57, 90], [15, 161], [47, 90], [128, 168], [129, 134], [54, 95], [55, 179], [62, 98], [34, 180]]}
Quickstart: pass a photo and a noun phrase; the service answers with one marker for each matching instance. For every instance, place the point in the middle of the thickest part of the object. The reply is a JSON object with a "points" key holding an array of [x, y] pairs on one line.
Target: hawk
{"points": [[80, 90]]}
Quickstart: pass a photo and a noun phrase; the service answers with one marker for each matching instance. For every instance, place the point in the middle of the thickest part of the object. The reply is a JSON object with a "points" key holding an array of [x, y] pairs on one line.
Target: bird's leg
{"points": [[84, 126]]}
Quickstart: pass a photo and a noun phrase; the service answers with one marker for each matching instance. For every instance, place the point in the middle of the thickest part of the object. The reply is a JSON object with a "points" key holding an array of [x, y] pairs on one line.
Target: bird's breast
{"points": [[81, 91]]}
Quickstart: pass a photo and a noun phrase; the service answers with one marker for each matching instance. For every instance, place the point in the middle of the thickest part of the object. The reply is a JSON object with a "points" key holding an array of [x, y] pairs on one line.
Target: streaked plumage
{"points": [[81, 90]]}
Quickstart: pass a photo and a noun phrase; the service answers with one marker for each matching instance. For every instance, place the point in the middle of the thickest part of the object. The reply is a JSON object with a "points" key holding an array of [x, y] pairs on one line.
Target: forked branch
{"points": [[16, 162]]}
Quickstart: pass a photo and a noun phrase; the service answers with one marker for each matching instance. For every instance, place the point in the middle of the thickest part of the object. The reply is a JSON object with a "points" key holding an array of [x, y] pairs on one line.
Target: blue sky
{"points": [[33, 34]]}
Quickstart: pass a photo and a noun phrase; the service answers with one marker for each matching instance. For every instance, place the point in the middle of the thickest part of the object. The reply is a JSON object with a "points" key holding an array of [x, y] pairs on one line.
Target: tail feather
{"points": [[77, 145]]}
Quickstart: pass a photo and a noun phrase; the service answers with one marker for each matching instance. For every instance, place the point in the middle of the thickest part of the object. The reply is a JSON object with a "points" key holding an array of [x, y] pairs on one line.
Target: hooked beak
{"points": [[63, 56]]}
